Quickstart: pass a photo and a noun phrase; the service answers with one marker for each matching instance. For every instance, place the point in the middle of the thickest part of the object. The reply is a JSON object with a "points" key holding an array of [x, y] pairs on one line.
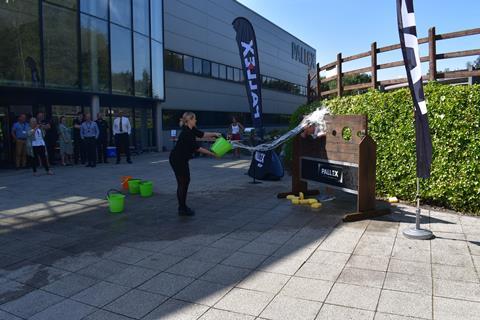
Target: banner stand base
{"points": [[418, 234], [362, 215], [254, 182]]}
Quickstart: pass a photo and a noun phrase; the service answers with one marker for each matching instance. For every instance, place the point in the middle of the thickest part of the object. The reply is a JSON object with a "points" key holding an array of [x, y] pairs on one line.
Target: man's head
{"points": [[22, 117], [99, 116], [80, 116], [87, 117], [40, 117], [120, 113]]}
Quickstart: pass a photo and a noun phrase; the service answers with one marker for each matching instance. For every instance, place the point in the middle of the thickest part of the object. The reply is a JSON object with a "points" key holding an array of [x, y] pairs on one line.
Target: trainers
{"points": [[186, 212]]}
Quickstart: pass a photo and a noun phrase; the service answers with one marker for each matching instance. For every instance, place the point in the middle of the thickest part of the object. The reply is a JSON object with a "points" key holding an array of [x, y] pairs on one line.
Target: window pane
{"points": [[95, 57], [187, 63], [120, 12], [173, 61], [60, 46], [96, 8], [71, 4], [20, 53], [157, 19], [206, 68], [140, 16], [236, 75], [121, 55], [144, 133], [197, 66], [142, 66], [214, 70], [157, 70], [230, 73], [222, 71]]}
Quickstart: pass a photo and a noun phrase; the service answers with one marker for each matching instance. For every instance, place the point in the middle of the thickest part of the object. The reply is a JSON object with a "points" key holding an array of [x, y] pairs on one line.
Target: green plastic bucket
{"points": [[134, 186], [146, 188], [116, 201], [221, 146]]}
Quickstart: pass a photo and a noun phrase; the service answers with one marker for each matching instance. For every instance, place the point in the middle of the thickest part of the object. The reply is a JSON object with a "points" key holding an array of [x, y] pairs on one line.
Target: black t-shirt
{"points": [[76, 131], [102, 128], [187, 143]]}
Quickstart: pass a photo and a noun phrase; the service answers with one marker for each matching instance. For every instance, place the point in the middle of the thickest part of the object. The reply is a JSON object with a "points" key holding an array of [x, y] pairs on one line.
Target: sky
{"points": [[350, 26]]}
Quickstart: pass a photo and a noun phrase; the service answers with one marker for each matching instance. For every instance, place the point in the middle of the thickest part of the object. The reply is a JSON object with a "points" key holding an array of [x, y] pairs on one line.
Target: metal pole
{"points": [[417, 232]]}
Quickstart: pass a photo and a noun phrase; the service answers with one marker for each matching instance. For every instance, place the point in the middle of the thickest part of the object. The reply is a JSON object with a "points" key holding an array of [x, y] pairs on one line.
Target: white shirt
{"points": [[126, 128], [235, 129], [38, 138]]}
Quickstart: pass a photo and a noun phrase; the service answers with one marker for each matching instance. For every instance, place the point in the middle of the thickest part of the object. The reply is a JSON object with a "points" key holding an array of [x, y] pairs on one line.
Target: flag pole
{"points": [[417, 232]]}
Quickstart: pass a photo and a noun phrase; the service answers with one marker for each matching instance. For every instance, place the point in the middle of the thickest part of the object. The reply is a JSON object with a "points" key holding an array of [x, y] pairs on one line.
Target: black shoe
{"points": [[105, 161], [88, 165], [118, 161], [93, 165], [186, 212], [129, 161]]}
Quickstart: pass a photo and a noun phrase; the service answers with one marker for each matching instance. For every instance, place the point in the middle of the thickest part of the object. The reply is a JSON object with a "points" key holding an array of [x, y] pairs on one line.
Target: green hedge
{"points": [[454, 115]]}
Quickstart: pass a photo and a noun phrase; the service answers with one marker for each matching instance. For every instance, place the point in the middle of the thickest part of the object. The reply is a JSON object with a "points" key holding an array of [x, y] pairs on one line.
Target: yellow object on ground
{"points": [[295, 201], [301, 196], [312, 201], [393, 199], [292, 197], [316, 205], [304, 201]]}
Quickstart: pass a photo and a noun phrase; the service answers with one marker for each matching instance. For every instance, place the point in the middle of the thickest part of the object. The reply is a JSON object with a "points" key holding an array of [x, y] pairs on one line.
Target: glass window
{"points": [[157, 70], [98, 8], [206, 69], [222, 71], [20, 53], [69, 112], [120, 12], [173, 61], [60, 46], [141, 16], [71, 4], [197, 66], [157, 19], [121, 55], [214, 70], [187, 63], [230, 73], [144, 131], [142, 66], [236, 74], [95, 57]]}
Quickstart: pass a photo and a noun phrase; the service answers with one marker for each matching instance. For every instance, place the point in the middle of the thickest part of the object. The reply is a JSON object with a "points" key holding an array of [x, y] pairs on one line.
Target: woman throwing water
{"points": [[182, 152]]}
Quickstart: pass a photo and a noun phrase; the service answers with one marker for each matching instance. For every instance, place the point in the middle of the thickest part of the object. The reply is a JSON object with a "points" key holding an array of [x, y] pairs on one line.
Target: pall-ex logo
{"points": [[260, 158], [250, 63], [330, 172]]}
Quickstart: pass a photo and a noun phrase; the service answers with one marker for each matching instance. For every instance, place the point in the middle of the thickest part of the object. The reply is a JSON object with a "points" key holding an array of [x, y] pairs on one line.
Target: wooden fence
{"points": [[314, 81]]}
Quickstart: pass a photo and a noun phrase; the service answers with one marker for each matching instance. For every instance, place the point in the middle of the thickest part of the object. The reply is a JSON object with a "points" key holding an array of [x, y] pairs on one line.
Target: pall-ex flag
{"points": [[247, 46], [408, 39]]}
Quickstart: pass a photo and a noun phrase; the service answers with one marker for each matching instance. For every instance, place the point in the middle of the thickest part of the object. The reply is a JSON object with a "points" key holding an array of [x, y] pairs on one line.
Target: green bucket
{"points": [[116, 201], [221, 146], [146, 188], [134, 186]]}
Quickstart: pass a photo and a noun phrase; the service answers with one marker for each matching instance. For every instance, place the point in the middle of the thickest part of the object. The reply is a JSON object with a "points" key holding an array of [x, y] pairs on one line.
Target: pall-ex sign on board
{"points": [[303, 55]]}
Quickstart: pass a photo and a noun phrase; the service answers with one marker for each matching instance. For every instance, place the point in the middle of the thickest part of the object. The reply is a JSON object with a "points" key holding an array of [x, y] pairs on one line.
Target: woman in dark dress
{"points": [[182, 152]]}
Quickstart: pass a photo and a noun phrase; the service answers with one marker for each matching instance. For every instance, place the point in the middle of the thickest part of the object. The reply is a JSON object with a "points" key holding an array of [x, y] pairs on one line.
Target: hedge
{"points": [[454, 115]]}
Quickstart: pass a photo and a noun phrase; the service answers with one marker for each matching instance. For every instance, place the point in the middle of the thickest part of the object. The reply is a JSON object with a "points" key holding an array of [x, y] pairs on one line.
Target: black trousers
{"points": [[91, 148], [51, 144], [79, 151], [182, 174], [122, 142], [102, 145], [39, 152]]}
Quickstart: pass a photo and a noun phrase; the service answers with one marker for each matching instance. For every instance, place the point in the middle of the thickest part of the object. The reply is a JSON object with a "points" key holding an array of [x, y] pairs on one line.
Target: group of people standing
{"points": [[87, 142]]}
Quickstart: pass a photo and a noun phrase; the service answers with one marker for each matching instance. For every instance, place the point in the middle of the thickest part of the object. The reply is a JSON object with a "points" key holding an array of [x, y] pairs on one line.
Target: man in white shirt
{"points": [[122, 130]]}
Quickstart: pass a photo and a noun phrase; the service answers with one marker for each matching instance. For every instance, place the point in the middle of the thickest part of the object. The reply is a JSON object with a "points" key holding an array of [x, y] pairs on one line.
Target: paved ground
{"points": [[246, 255]]}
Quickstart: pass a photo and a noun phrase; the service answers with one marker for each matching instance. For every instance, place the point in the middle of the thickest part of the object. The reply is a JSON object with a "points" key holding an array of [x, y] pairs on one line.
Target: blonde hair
{"points": [[185, 117]]}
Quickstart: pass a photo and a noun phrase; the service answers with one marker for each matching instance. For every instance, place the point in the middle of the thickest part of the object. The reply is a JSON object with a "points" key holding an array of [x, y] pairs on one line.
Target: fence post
{"points": [[432, 55], [373, 55], [339, 75], [309, 89], [319, 84]]}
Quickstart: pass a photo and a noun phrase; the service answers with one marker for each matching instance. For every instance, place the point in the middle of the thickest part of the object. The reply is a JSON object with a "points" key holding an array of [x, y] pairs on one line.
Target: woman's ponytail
{"points": [[185, 117]]}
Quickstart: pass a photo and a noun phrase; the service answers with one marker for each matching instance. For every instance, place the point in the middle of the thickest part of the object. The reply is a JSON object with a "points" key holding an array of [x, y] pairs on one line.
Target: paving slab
{"points": [[283, 307], [136, 303], [245, 301], [406, 304], [332, 312]]}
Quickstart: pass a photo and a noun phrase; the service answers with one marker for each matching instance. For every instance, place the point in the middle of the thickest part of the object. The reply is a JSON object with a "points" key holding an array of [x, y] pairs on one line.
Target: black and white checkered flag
{"points": [[408, 39]]}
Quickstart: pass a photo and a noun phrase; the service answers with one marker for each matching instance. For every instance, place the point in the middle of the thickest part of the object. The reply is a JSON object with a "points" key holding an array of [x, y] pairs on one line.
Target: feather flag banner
{"points": [[407, 30]]}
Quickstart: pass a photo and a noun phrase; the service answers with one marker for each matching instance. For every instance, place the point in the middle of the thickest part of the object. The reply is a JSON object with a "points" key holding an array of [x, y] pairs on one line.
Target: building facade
{"points": [[151, 59]]}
